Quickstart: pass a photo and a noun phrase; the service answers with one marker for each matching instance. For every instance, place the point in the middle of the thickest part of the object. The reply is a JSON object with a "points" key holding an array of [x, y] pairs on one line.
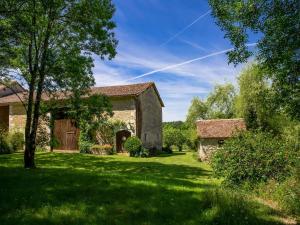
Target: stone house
{"points": [[138, 105], [213, 133]]}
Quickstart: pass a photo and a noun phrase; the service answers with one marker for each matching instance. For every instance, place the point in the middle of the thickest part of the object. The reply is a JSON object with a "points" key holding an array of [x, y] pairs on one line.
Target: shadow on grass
{"points": [[170, 155], [76, 189]]}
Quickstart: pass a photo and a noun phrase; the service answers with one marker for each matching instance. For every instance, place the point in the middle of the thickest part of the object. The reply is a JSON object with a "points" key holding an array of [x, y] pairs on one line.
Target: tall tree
{"points": [[197, 110], [277, 24], [48, 44], [255, 101], [220, 102]]}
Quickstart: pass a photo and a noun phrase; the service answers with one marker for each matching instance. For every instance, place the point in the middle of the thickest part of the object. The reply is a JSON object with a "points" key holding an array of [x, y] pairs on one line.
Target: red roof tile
{"points": [[111, 91], [219, 128]]}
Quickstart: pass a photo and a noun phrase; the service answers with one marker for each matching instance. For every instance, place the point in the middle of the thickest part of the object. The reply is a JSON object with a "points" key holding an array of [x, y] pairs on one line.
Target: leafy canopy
{"points": [[57, 38], [277, 26], [48, 45]]}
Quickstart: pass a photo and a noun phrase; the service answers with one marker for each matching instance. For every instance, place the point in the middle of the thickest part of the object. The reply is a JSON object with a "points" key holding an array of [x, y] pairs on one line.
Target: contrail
{"points": [[186, 62], [184, 29]]}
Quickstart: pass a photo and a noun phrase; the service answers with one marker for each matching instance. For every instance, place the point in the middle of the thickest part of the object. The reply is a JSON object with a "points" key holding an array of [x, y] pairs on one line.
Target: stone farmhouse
{"points": [[213, 133], [138, 105]]}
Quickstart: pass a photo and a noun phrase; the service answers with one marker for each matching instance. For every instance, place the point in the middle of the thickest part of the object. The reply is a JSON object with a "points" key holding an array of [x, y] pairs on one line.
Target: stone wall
{"points": [[207, 147], [151, 118], [124, 110], [17, 118]]}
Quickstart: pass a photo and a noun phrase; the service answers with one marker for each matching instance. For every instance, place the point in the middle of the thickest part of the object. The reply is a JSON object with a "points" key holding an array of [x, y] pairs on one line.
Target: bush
{"points": [[5, 146], [85, 146], [253, 157], [133, 146], [102, 149], [167, 150], [173, 136], [42, 137], [144, 152], [17, 140]]}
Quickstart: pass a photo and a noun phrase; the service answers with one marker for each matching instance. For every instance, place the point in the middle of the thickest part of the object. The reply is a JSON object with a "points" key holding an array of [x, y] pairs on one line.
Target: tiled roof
{"points": [[219, 128], [12, 87], [110, 91]]}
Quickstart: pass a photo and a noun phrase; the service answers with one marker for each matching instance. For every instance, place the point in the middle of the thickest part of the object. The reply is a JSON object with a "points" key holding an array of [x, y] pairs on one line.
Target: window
{"points": [[145, 137], [220, 142]]}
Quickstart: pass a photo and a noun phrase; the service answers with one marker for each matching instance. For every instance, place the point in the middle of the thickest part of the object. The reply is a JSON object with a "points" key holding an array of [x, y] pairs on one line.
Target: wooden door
{"points": [[67, 134]]}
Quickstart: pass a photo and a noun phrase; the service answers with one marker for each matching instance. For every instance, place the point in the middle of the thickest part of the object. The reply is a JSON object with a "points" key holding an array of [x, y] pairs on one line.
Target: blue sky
{"points": [[144, 27]]}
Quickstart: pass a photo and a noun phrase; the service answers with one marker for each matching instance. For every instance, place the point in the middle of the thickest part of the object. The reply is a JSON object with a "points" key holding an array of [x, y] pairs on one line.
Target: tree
{"points": [[48, 45], [255, 100], [173, 136], [278, 26], [220, 102], [197, 110]]}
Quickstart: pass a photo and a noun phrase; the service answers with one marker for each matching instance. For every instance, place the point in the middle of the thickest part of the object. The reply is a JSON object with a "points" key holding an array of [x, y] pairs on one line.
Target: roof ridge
{"points": [[122, 85], [219, 119]]}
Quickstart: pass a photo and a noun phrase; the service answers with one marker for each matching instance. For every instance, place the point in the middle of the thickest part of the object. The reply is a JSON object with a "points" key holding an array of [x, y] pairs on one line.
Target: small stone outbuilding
{"points": [[213, 133], [138, 105]]}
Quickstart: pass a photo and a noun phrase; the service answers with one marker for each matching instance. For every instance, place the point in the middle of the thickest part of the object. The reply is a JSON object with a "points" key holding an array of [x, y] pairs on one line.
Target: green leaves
{"points": [[277, 24], [254, 157]]}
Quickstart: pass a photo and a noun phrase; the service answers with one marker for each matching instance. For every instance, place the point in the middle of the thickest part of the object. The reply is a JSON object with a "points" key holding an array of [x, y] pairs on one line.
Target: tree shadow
{"points": [[170, 155], [98, 190]]}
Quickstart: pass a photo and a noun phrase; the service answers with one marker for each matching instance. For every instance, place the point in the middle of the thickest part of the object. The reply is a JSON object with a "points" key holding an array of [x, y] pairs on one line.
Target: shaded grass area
{"points": [[87, 189]]}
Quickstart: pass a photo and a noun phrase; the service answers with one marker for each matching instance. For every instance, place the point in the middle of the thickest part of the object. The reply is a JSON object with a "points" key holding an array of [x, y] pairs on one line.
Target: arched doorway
{"points": [[121, 137]]}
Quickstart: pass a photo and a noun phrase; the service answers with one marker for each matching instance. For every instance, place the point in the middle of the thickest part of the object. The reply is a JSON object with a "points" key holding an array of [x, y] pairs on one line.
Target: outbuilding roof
{"points": [[219, 128], [110, 91]]}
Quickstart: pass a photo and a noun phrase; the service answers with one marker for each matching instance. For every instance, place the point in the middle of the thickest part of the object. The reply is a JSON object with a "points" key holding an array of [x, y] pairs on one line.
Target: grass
{"points": [[87, 189]]}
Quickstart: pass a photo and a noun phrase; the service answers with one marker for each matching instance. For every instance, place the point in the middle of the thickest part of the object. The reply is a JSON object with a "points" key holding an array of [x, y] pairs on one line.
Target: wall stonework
{"points": [[124, 110], [206, 148], [17, 118], [151, 117]]}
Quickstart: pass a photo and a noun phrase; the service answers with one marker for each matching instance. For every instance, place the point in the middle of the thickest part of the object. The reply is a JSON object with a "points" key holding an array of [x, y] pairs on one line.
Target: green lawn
{"points": [[88, 189]]}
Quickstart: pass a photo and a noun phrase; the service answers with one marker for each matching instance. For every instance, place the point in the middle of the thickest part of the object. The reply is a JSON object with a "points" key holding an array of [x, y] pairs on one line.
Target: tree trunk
{"points": [[29, 155]]}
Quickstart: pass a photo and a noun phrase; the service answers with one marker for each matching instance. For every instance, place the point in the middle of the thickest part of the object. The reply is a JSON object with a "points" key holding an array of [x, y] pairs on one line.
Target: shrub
{"points": [[173, 136], [17, 140], [5, 146], [42, 137], [54, 142], [133, 146], [102, 149], [253, 157], [85, 146], [144, 152], [167, 150]]}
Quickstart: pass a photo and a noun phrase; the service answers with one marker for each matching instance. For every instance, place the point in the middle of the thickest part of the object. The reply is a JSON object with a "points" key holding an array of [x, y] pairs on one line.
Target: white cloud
{"points": [[177, 85]]}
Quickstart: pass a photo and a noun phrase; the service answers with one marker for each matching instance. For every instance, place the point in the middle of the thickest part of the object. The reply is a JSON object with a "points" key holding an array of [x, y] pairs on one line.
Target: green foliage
{"points": [[175, 124], [54, 142], [254, 157], [42, 137], [91, 114], [50, 46], [144, 152], [85, 146], [167, 150], [255, 101], [5, 145], [17, 140], [277, 50], [191, 138], [220, 102], [105, 133], [172, 136], [197, 110], [102, 149], [133, 145]]}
